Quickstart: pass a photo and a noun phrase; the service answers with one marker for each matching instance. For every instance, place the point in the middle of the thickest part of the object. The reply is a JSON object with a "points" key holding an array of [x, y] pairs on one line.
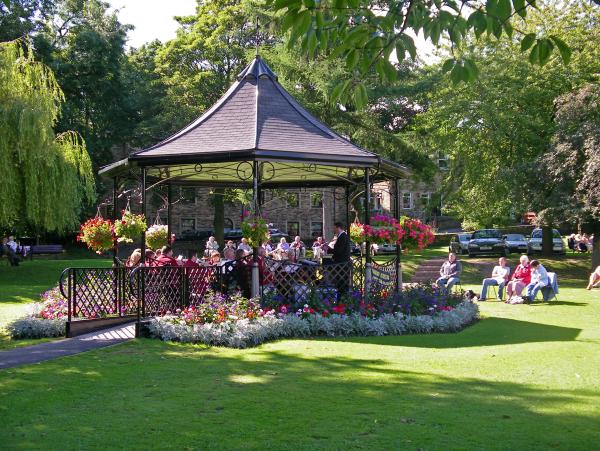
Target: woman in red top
{"points": [[520, 278]]}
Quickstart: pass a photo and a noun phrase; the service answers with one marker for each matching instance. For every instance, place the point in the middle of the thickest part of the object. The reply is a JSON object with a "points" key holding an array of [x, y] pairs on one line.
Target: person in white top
{"points": [[245, 246], [539, 280], [283, 245], [499, 278], [211, 245], [12, 244]]}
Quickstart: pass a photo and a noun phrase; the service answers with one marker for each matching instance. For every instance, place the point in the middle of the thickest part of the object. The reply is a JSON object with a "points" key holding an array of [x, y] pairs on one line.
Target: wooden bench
{"points": [[45, 249]]}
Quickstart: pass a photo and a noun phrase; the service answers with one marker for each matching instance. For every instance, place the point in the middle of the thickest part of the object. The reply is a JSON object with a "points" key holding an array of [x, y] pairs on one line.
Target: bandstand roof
{"points": [[257, 120]]}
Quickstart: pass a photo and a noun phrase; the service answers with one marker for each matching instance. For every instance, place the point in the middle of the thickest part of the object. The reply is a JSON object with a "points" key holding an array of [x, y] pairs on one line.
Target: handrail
{"points": [[61, 280]]}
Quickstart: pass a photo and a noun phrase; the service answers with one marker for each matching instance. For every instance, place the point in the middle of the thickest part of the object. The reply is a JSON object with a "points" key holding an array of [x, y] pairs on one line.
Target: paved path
{"points": [[45, 351]]}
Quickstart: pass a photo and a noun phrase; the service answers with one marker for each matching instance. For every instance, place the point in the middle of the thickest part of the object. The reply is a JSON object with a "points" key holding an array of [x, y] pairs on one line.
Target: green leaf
{"points": [[309, 3], [490, 6], [361, 97], [458, 73], [319, 19], [448, 65], [563, 48], [400, 51], [508, 29], [471, 69], [288, 20], [503, 9], [409, 45], [527, 41], [389, 71], [478, 21], [534, 55], [546, 47], [352, 59], [302, 22], [519, 6], [339, 90], [312, 42], [354, 3]]}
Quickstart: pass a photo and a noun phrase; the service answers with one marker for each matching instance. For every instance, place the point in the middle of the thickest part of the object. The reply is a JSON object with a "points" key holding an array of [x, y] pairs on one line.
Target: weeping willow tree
{"points": [[46, 180]]}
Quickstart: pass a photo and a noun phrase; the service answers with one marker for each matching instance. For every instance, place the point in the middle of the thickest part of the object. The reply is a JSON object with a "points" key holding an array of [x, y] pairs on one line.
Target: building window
{"points": [[188, 195], [425, 197], [293, 229], [293, 200], [407, 201], [442, 161], [316, 200], [188, 224], [316, 229]]}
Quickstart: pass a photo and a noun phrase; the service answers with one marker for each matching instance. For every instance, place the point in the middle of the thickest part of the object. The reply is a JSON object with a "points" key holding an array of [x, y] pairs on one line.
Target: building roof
{"points": [[255, 120]]}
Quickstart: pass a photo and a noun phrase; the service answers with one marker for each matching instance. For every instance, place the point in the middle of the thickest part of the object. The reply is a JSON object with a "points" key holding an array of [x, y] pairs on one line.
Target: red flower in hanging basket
{"points": [[98, 234]]}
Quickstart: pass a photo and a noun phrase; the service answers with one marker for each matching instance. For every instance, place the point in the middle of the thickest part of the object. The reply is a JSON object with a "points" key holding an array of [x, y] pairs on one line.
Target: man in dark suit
{"points": [[341, 256], [341, 249]]}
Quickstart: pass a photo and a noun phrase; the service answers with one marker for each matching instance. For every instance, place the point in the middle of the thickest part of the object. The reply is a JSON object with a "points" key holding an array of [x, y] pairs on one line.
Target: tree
{"points": [[47, 178], [496, 127], [570, 170], [366, 34], [21, 18], [83, 43]]}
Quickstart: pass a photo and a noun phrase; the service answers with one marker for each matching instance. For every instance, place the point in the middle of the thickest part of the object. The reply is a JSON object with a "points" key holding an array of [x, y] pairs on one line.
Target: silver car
{"points": [[534, 246], [460, 244], [516, 243]]}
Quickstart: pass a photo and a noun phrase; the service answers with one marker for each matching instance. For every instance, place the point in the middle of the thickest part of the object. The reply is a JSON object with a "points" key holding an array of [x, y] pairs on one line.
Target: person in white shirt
{"points": [[283, 245], [539, 280], [245, 246], [499, 278], [211, 245], [12, 244]]}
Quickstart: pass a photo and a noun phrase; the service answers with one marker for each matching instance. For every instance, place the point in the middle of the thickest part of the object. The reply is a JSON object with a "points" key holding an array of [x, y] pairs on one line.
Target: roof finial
{"points": [[257, 37]]}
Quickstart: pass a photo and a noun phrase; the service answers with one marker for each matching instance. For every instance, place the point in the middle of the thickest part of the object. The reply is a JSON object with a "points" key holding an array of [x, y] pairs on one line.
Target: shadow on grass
{"points": [[487, 332], [181, 396]]}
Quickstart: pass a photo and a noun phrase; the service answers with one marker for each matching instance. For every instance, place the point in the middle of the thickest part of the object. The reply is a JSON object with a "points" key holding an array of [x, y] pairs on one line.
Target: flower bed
{"points": [[45, 319], [240, 323]]}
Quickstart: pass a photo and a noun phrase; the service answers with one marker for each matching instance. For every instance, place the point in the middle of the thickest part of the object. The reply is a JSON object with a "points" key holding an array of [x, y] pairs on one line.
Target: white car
{"points": [[534, 246], [386, 248]]}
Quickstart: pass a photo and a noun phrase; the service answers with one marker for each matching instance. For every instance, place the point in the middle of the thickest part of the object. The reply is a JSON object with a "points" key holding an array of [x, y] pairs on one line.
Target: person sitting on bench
{"points": [[449, 273], [539, 280], [499, 277], [594, 279], [12, 256]]}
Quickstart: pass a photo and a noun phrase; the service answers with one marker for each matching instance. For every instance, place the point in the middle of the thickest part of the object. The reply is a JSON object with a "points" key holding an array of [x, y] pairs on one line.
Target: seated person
{"points": [[150, 258], [241, 273], [134, 259], [12, 244], [166, 257], [520, 278], [215, 258], [298, 248], [539, 280], [192, 262], [13, 258], [571, 242], [499, 277], [449, 273], [245, 246], [320, 247], [283, 245], [594, 279], [268, 247], [229, 253]]}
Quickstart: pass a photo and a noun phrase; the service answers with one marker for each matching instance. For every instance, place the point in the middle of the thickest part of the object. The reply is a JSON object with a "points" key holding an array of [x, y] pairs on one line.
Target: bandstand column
{"points": [[144, 213], [398, 199], [255, 200], [348, 210], [114, 218], [367, 207], [169, 211]]}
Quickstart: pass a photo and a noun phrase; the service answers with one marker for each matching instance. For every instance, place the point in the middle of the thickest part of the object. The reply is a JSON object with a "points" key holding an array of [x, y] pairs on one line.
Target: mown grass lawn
{"points": [[524, 377]]}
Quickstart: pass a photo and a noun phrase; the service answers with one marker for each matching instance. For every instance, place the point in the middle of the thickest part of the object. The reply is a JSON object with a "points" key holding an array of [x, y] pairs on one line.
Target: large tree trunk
{"points": [[596, 249], [219, 218], [547, 241]]}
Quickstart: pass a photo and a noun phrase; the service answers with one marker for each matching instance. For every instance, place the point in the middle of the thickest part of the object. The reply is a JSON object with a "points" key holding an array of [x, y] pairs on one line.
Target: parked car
{"points": [[236, 235], [487, 242], [192, 235], [386, 248], [516, 242], [460, 244], [534, 246]]}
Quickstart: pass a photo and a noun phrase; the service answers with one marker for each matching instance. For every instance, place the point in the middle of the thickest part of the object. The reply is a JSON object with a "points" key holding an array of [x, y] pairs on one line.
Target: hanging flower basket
{"points": [[98, 234], [383, 230], [255, 229], [157, 236], [416, 235], [357, 232], [130, 227]]}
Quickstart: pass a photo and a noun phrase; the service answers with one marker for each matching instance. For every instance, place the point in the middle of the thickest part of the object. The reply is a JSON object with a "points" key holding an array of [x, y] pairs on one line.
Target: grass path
{"points": [[525, 377]]}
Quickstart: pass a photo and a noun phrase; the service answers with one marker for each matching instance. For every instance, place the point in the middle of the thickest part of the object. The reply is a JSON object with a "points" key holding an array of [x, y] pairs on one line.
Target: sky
{"points": [[153, 19]]}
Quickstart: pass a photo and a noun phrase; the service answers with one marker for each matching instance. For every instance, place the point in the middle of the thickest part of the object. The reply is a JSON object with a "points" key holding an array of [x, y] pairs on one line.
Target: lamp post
{"points": [[367, 206], [398, 245]]}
